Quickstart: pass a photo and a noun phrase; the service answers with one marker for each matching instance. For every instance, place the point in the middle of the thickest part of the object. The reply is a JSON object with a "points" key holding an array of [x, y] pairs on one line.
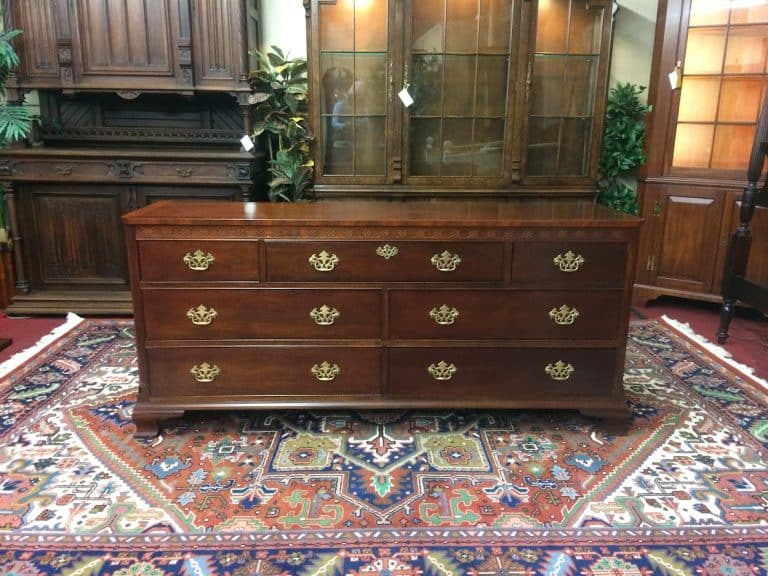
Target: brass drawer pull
{"points": [[444, 315], [387, 251], [205, 372], [570, 262], [446, 262], [442, 371], [559, 371], [198, 261], [324, 262], [324, 316], [564, 316], [326, 372], [202, 316]]}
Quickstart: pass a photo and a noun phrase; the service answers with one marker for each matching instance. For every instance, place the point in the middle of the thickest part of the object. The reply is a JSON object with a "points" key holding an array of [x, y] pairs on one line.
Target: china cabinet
{"points": [[453, 96], [140, 101], [708, 79]]}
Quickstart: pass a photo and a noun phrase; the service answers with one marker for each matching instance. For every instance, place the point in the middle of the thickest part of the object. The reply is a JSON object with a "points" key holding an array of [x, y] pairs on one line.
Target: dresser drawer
{"points": [[194, 314], [508, 373], [198, 260], [263, 371], [385, 261], [504, 314], [569, 264]]}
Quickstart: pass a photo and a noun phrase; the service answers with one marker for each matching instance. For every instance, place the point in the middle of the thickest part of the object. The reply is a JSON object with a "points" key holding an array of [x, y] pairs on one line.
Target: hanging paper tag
{"points": [[247, 143], [405, 97], [674, 79]]}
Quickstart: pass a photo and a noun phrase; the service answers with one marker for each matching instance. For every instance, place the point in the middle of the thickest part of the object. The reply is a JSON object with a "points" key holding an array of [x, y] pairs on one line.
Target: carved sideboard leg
{"points": [[22, 282], [615, 421], [147, 420]]}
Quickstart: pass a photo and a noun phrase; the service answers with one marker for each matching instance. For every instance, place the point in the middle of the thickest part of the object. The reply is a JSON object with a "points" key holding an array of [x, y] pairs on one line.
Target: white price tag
{"points": [[247, 143], [674, 80], [405, 97]]}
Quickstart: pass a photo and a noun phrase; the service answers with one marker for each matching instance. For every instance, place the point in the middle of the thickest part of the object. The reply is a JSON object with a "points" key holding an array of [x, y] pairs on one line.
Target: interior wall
{"points": [[284, 24]]}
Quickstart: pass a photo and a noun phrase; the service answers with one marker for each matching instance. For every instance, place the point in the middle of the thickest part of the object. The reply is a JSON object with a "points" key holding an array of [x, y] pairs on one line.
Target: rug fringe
{"points": [[21, 357], [715, 350]]}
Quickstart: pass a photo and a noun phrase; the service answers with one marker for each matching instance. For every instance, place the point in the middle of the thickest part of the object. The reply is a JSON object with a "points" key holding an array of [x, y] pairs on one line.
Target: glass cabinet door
{"points": [[354, 64], [462, 94], [723, 79], [562, 87], [458, 72]]}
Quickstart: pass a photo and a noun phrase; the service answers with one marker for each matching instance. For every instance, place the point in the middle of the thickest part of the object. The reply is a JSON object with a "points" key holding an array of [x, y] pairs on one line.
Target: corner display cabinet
{"points": [[480, 96], [709, 75], [139, 101]]}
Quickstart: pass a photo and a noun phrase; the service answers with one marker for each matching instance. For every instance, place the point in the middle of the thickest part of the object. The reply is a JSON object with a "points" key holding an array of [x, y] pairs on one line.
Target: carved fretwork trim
{"points": [[156, 134]]}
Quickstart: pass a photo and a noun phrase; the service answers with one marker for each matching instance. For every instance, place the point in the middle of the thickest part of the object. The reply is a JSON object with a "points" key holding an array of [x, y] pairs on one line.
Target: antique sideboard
{"points": [[380, 304]]}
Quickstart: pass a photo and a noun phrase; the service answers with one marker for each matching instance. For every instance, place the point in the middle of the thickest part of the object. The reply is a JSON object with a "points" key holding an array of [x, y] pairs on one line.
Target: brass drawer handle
{"points": [[446, 262], [442, 371], [387, 251], [205, 372], [570, 262], [198, 261], [559, 371], [325, 372], [202, 316], [324, 262], [564, 316], [444, 315], [324, 316]]}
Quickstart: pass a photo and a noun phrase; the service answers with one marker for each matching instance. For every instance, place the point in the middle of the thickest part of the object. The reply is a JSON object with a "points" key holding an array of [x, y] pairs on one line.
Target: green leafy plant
{"points": [[15, 118], [623, 147], [279, 93]]}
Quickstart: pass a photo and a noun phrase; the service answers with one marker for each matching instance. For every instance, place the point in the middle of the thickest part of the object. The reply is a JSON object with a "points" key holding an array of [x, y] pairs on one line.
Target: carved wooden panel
{"points": [[217, 58], [38, 45], [75, 237], [125, 36]]}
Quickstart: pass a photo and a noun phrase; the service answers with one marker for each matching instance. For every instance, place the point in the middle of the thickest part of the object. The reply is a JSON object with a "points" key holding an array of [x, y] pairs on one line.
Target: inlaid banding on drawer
{"points": [[296, 261], [521, 373], [504, 314], [569, 264], [273, 313], [199, 260], [264, 371]]}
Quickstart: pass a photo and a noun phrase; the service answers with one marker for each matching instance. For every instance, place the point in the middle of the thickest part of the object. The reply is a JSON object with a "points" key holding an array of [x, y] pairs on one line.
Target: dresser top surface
{"points": [[412, 212]]}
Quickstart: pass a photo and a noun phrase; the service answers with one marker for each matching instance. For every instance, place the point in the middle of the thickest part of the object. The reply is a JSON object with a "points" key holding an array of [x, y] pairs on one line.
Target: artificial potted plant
{"points": [[623, 147], [279, 89]]}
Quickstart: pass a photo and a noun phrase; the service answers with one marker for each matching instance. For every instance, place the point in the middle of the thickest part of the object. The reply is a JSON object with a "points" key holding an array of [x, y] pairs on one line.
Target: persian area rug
{"points": [[395, 493]]}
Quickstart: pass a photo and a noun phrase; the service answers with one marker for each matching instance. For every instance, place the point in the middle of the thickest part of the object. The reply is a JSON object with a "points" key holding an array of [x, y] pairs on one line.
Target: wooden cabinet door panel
{"points": [[38, 42], [127, 43], [686, 248], [75, 236], [218, 61]]}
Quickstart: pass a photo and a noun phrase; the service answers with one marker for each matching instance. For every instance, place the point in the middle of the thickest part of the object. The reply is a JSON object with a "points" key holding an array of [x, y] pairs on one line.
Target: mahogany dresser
{"points": [[379, 304]]}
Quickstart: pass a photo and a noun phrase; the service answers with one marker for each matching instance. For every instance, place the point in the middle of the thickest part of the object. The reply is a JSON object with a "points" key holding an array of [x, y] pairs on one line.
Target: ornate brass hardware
{"points": [[64, 170], [325, 372], [202, 316], [198, 261], [564, 316], [324, 316], [559, 371], [205, 372], [442, 371], [446, 262], [184, 172], [570, 262], [444, 315], [387, 251], [324, 262]]}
